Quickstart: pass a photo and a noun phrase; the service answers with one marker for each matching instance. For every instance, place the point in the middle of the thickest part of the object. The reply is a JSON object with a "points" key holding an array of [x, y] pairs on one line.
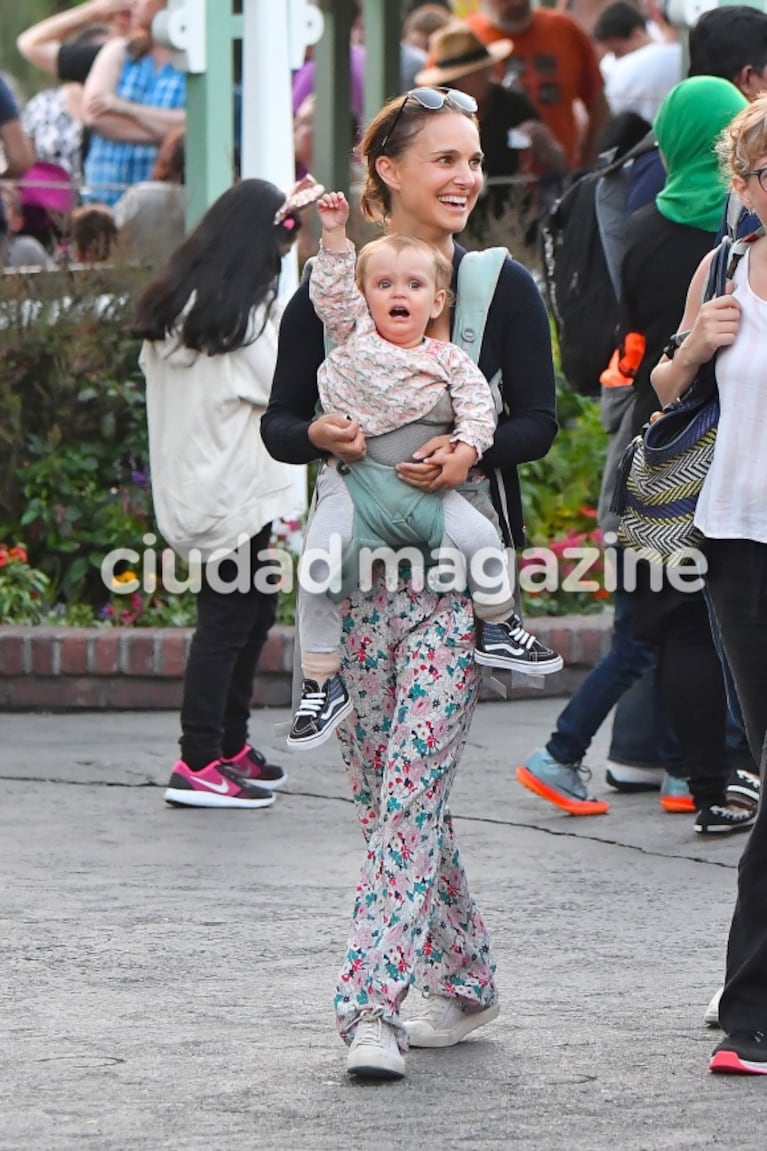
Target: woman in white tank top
{"points": [[732, 514]]}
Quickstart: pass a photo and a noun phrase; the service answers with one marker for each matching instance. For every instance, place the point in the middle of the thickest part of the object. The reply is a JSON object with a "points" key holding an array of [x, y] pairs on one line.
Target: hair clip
{"points": [[301, 195], [289, 223]]}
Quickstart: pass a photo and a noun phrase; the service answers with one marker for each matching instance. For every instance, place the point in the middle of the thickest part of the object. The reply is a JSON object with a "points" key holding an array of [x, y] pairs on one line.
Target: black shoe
{"points": [[253, 765], [319, 713], [744, 789], [511, 646], [716, 820], [741, 1055]]}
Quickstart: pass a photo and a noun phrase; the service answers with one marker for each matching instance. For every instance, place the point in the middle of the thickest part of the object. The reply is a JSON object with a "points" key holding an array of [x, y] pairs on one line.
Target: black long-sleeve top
{"points": [[660, 259], [516, 342]]}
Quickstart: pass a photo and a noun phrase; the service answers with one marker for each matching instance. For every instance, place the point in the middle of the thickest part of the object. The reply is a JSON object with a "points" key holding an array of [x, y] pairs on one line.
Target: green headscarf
{"points": [[687, 126]]}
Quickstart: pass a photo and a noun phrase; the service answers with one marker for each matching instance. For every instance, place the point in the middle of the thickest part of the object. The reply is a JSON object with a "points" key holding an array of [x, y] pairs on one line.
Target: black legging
{"points": [[218, 682], [692, 685], [737, 582], [691, 682]]}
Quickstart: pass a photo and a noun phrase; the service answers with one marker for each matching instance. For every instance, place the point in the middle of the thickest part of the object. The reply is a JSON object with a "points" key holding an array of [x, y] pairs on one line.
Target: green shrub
{"points": [[560, 495], [73, 440]]}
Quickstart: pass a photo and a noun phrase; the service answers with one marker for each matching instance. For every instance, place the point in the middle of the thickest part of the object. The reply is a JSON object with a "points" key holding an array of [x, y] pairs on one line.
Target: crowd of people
{"points": [[103, 147], [116, 101], [495, 114]]}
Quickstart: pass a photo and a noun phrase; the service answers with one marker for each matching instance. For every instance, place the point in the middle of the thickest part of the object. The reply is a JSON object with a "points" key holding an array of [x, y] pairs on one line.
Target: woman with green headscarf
{"points": [[665, 242]]}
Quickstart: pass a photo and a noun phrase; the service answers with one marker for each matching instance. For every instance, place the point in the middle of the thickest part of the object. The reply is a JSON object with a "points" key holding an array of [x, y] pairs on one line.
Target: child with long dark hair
{"points": [[209, 321]]}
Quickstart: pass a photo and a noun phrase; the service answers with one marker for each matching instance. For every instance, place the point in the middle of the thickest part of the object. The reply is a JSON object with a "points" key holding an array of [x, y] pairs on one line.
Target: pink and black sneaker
{"points": [[251, 764], [741, 1055], [217, 785]]}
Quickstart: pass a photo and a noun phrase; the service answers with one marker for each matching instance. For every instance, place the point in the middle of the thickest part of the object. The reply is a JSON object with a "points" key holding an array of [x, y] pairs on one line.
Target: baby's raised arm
{"points": [[333, 211], [333, 291]]}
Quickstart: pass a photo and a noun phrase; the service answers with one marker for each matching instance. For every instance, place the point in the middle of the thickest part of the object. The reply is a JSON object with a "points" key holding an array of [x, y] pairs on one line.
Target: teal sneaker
{"points": [[675, 796], [563, 784]]}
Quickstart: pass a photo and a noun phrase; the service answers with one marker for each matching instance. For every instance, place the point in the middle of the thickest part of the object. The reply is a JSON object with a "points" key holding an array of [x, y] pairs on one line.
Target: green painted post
{"points": [[382, 50], [209, 103], [332, 86]]}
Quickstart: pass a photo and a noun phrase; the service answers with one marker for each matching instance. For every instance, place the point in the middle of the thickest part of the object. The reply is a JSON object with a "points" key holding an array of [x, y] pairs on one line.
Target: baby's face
{"points": [[402, 294]]}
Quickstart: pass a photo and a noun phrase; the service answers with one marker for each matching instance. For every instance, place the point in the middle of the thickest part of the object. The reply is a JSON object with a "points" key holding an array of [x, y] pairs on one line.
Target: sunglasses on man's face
{"points": [[433, 99]]}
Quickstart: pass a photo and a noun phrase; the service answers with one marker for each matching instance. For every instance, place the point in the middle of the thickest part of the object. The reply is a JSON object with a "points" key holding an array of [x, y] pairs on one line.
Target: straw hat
{"points": [[456, 51]]}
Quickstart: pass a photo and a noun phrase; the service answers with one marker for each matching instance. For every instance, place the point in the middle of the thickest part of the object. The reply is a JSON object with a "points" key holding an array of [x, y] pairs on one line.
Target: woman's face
{"points": [[435, 182], [753, 190]]}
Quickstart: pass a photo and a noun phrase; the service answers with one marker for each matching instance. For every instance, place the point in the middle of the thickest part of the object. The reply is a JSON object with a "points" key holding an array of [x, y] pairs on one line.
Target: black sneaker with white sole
{"points": [[744, 789], [320, 711], [716, 820], [509, 645]]}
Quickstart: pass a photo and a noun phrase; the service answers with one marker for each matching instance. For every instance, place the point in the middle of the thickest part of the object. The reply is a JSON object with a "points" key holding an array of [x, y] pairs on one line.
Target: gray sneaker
{"points": [[563, 784]]}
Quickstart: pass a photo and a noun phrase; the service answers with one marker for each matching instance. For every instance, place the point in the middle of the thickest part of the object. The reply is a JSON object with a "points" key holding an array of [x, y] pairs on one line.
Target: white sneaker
{"points": [[374, 1051], [441, 1022], [626, 777], [711, 1018]]}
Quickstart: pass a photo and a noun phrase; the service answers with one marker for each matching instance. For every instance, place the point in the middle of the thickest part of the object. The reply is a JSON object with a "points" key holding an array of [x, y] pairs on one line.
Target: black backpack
{"points": [[581, 239]]}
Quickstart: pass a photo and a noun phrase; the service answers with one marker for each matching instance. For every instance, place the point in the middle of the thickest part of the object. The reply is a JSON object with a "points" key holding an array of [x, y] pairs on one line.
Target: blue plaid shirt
{"points": [[113, 165]]}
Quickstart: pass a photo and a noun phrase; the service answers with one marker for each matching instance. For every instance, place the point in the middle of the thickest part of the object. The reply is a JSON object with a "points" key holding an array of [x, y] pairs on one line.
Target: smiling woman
{"points": [[407, 653]]}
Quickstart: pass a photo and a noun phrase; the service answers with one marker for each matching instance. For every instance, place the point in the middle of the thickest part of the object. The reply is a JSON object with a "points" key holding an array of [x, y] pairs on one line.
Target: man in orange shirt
{"points": [[554, 62]]}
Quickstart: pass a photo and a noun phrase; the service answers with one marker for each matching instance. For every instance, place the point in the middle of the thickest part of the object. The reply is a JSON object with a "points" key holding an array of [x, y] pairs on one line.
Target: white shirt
{"points": [[640, 81], [213, 480], [733, 502]]}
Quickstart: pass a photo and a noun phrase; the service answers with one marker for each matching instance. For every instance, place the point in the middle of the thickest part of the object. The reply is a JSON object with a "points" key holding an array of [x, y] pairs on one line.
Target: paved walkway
{"points": [[168, 975]]}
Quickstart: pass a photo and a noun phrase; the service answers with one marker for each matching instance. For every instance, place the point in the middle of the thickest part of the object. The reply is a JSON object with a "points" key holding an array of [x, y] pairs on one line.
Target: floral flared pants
{"points": [[408, 664]]}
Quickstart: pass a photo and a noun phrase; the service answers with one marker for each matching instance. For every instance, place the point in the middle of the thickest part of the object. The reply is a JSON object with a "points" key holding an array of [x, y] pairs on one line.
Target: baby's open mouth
{"points": [[399, 312]]}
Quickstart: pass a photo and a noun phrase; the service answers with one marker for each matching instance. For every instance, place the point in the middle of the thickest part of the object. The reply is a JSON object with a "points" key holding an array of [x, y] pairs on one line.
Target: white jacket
{"points": [[213, 480]]}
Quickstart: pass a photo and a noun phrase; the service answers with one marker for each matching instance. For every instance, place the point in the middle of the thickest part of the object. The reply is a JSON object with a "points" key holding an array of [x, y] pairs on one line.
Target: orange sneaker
{"points": [[563, 784], [675, 796]]}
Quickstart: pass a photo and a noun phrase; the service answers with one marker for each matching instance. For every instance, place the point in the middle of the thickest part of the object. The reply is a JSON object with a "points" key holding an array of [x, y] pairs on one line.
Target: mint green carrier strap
{"points": [[478, 274], [388, 513]]}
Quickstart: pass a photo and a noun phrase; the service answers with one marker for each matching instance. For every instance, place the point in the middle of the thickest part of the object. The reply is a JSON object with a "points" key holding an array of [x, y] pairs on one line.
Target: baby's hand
{"points": [[333, 211]]}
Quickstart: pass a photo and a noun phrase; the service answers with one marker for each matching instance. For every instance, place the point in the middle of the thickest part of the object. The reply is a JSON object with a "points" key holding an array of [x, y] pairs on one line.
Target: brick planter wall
{"points": [[64, 669]]}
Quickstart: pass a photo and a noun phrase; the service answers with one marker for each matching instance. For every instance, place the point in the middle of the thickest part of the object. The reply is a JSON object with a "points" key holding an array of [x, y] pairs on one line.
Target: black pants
{"points": [[737, 585], [737, 582], [691, 681], [218, 682], [692, 686]]}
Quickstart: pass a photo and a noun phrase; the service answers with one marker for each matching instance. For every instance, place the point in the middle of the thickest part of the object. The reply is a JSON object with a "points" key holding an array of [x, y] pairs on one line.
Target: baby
{"points": [[402, 388]]}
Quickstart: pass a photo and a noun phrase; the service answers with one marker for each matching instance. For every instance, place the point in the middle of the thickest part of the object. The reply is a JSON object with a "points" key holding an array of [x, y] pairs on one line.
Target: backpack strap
{"points": [[727, 255], [478, 274], [737, 250]]}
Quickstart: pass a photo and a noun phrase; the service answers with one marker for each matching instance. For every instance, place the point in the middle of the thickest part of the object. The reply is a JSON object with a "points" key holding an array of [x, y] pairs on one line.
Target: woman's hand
{"points": [[338, 436], [443, 464], [716, 326]]}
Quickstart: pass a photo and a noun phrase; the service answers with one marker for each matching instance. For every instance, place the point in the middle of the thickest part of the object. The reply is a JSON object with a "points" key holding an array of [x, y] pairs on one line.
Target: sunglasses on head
{"points": [[432, 99]]}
